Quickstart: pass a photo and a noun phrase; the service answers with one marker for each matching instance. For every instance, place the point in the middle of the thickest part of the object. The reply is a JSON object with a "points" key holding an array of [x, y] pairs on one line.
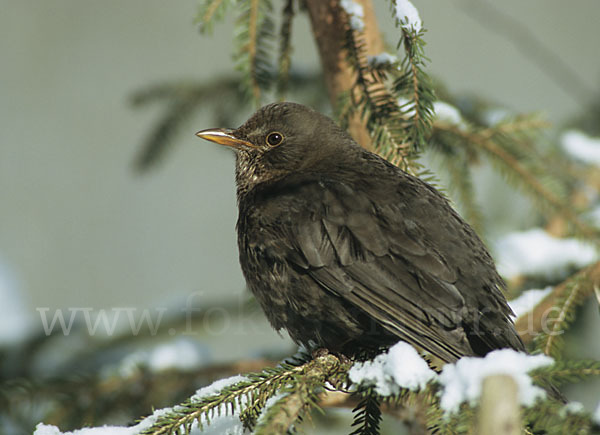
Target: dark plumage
{"points": [[345, 250]]}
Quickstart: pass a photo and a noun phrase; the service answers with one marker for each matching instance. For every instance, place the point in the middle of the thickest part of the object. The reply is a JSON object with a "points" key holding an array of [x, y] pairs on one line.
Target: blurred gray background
{"points": [[80, 229]]}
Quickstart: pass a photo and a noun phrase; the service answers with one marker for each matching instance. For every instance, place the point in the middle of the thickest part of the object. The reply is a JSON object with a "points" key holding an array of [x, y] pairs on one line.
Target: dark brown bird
{"points": [[348, 252]]}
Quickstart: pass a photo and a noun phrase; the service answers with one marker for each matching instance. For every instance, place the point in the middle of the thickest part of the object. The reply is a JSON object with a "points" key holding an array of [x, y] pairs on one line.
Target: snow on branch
{"points": [[535, 252], [221, 422], [400, 367], [275, 399], [446, 112], [581, 146], [462, 381], [403, 367], [356, 14], [528, 300], [407, 15], [382, 60]]}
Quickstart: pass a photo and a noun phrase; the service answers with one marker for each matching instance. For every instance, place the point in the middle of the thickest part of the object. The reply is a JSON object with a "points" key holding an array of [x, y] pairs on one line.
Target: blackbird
{"points": [[349, 253]]}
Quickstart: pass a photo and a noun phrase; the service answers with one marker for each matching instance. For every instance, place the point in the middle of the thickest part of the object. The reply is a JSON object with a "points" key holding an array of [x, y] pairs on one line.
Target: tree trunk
{"points": [[329, 29]]}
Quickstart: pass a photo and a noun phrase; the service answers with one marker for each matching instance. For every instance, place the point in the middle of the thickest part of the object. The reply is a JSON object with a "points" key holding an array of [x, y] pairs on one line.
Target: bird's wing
{"points": [[401, 260]]}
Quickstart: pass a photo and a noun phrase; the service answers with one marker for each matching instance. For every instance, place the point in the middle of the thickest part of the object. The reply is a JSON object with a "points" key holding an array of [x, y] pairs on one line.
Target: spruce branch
{"points": [[299, 382], [210, 11], [487, 141], [367, 414], [419, 411], [201, 411], [576, 291], [285, 49], [398, 129], [563, 372], [565, 315], [377, 107], [137, 392], [299, 397], [254, 37], [415, 85], [553, 418], [584, 281], [517, 126]]}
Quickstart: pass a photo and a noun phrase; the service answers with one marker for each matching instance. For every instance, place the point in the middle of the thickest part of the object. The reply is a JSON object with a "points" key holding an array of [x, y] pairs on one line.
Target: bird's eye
{"points": [[274, 139]]}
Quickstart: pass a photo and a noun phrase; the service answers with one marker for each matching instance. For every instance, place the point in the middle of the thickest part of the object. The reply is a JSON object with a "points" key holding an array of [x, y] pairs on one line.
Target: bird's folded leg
{"points": [[321, 351]]}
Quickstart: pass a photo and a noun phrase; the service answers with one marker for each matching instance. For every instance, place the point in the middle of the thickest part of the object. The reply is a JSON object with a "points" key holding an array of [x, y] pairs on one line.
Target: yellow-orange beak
{"points": [[225, 137]]}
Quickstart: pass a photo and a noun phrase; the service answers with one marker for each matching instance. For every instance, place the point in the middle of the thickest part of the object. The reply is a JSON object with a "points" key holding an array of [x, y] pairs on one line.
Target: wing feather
{"points": [[408, 262]]}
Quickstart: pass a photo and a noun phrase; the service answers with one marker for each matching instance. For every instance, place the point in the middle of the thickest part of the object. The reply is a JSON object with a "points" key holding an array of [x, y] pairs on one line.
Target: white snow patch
{"points": [[462, 380], [270, 402], [400, 367], [355, 12], [129, 365], [596, 415], [48, 429], [573, 407], [381, 59], [217, 386], [220, 423], [527, 300], [594, 216], [448, 113], [15, 321], [493, 117], [581, 146], [535, 252], [180, 354], [408, 15], [407, 106]]}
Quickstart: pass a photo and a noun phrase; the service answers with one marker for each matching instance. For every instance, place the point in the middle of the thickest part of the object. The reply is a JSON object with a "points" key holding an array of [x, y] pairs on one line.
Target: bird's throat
{"points": [[250, 171]]}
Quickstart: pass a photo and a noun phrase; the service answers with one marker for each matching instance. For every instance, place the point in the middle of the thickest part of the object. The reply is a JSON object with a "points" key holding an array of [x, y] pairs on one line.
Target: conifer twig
{"points": [[367, 414], [562, 314], [532, 323], [562, 372], [253, 39], [515, 126], [209, 12], [285, 49], [282, 415], [485, 142], [252, 47]]}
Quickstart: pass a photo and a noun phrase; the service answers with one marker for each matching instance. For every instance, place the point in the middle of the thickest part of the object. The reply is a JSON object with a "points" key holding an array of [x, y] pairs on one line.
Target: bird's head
{"points": [[280, 139]]}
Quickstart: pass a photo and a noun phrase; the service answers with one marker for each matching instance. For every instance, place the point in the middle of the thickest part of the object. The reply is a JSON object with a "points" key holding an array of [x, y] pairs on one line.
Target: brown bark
{"points": [[329, 30]]}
